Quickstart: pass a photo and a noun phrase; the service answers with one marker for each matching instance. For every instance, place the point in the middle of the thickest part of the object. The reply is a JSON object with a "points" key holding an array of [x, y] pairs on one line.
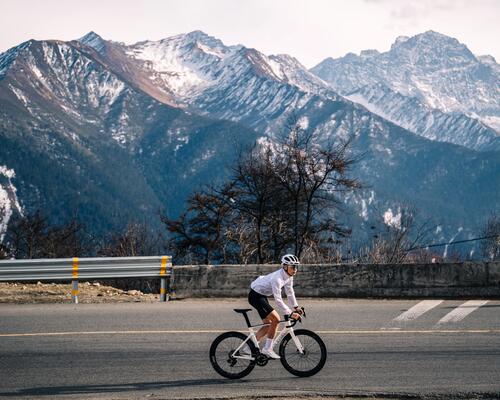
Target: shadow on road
{"points": [[128, 387]]}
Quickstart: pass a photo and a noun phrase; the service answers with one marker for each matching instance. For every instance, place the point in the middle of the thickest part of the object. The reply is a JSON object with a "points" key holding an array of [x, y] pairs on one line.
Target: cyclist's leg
{"points": [[273, 320], [261, 304], [262, 331], [269, 330]]}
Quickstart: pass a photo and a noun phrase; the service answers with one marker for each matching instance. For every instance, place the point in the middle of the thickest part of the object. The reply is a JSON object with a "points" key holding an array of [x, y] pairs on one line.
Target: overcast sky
{"points": [[309, 30]]}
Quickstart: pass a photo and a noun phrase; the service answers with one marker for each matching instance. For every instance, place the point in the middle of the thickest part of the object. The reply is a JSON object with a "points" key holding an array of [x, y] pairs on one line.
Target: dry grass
{"points": [[26, 293]]}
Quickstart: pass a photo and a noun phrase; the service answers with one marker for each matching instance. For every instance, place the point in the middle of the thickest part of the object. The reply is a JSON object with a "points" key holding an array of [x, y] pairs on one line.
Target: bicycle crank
{"points": [[261, 360]]}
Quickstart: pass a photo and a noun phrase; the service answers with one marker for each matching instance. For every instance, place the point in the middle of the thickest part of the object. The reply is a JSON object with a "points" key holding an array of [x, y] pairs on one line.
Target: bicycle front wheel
{"points": [[223, 359], [310, 361]]}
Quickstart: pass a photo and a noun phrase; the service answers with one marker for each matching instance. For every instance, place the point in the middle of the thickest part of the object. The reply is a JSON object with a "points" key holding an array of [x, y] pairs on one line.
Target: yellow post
{"points": [[74, 288], [163, 279]]}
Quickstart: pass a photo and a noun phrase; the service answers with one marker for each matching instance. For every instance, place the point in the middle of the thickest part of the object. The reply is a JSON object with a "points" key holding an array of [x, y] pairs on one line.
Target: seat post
{"points": [[244, 311], [245, 314]]}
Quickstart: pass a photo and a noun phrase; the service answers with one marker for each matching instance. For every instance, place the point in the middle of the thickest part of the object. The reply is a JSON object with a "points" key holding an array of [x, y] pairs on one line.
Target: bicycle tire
{"points": [[223, 363], [307, 364]]}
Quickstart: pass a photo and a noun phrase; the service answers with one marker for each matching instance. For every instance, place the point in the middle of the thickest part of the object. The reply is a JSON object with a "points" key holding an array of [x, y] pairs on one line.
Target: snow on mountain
{"points": [[438, 71], [84, 137], [290, 70], [93, 40], [55, 77], [231, 82], [194, 66], [267, 92], [433, 124], [7, 58], [101, 99], [9, 202], [184, 62]]}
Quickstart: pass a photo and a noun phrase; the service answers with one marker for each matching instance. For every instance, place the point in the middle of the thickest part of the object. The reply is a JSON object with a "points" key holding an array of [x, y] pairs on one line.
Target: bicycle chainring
{"points": [[261, 360]]}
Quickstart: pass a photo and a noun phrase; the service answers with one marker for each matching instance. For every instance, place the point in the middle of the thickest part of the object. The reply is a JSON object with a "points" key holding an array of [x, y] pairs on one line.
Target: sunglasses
{"points": [[295, 267]]}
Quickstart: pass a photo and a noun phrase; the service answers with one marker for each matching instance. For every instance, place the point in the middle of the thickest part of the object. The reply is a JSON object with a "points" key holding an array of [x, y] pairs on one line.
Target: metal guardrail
{"points": [[76, 269]]}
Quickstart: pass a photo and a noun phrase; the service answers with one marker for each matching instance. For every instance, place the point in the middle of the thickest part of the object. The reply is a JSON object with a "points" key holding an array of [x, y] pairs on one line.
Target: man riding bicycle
{"points": [[271, 284]]}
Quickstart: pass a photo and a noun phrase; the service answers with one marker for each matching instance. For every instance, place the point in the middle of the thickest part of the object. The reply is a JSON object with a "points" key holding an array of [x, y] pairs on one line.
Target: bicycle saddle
{"points": [[242, 310]]}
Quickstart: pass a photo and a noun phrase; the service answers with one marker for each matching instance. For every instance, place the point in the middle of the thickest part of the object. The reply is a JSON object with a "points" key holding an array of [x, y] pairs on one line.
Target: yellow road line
{"points": [[331, 332], [104, 333], [396, 331]]}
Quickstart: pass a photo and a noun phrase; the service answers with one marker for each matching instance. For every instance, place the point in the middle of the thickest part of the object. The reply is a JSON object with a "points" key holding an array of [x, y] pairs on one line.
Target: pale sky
{"points": [[310, 30]]}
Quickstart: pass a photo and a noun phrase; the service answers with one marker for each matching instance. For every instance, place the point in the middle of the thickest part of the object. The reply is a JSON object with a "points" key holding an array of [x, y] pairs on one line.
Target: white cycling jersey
{"points": [[271, 284]]}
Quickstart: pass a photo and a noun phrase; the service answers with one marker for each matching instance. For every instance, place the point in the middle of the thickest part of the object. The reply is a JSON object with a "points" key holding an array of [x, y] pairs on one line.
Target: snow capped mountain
{"points": [[183, 63], [436, 70], [191, 65], [267, 92], [80, 136], [433, 124], [128, 124], [56, 78]]}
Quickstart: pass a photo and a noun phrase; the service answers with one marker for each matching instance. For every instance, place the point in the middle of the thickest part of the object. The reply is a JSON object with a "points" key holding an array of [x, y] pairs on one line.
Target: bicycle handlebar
{"points": [[294, 321]]}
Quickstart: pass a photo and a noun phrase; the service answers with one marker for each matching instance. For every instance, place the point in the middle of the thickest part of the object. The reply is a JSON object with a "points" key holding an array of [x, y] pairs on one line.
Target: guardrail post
{"points": [[163, 279], [163, 290], [171, 287], [74, 282]]}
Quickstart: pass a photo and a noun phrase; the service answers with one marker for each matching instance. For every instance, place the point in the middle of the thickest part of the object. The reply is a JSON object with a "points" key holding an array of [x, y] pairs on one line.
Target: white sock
{"points": [[269, 344]]}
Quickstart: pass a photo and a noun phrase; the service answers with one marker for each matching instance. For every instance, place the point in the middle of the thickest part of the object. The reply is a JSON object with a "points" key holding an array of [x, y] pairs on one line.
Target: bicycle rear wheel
{"points": [[222, 359], [308, 363]]}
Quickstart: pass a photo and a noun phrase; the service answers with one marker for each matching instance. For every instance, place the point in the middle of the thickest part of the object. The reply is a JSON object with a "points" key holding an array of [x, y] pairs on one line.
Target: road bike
{"points": [[302, 352]]}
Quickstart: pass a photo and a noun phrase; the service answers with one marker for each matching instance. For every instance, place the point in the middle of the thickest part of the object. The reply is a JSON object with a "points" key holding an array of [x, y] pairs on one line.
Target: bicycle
{"points": [[302, 352]]}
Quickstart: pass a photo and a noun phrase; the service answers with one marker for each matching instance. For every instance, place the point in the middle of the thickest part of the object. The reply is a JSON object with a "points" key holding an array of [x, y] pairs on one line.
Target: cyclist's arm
{"points": [[278, 299], [290, 294]]}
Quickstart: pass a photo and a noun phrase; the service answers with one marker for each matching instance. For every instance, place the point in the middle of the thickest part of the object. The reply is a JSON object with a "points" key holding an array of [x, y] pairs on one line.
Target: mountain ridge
{"points": [[168, 116], [437, 70]]}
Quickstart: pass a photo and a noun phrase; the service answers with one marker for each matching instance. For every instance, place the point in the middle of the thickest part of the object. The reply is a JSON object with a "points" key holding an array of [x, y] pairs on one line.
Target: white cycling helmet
{"points": [[289, 259]]}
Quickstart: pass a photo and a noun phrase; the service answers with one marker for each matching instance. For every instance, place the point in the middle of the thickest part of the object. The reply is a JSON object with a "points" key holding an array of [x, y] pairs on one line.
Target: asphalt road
{"points": [[160, 351]]}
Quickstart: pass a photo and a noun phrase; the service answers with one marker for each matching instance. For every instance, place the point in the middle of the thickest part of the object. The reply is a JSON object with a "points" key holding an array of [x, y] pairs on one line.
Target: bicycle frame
{"points": [[251, 336]]}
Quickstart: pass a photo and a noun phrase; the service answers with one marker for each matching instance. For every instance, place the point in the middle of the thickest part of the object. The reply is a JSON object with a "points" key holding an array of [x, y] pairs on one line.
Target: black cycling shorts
{"points": [[260, 303]]}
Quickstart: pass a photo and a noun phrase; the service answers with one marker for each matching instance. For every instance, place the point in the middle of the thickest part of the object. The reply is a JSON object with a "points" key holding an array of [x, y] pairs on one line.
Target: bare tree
{"points": [[31, 236], [198, 234], [490, 246], [400, 240], [67, 240], [281, 196], [136, 240], [241, 234], [312, 175], [4, 252], [25, 236], [260, 202]]}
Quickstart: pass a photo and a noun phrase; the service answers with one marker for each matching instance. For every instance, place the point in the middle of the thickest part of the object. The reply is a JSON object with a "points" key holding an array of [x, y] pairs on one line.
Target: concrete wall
{"points": [[409, 280]]}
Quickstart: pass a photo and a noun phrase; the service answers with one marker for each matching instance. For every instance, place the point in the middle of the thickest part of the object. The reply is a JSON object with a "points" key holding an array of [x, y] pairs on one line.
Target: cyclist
{"points": [[271, 284]]}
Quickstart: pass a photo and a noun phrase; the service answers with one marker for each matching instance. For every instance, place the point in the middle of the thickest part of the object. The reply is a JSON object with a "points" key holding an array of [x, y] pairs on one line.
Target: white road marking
{"points": [[417, 310], [461, 311]]}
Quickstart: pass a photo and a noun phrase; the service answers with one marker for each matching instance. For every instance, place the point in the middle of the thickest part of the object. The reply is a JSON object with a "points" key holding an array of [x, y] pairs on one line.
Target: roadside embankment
{"points": [[89, 292]]}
